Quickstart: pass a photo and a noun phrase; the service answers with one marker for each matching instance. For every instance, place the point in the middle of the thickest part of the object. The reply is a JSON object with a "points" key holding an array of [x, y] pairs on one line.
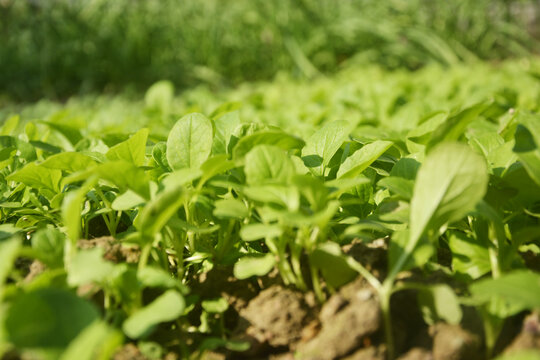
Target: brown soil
{"points": [[282, 323], [114, 250]]}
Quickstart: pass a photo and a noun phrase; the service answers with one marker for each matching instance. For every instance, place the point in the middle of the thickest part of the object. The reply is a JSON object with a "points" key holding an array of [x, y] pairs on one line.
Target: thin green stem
{"points": [[316, 281], [384, 299], [145, 255]]}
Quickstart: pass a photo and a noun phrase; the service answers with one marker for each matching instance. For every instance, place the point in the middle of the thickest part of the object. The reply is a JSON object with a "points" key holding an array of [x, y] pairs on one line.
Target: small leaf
{"points": [[190, 142], [329, 258], [132, 150], [218, 306], [167, 307], [96, 341], [468, 255], [397, 185], [268, 164], [439, 302], [283, 195], [325, 142], [38, 177], [127, 201], [253, 232], [361, 159], [9, 250], [72, 208], [157, 212], [224, 129], [251, 265], [49, 245], [521, 288], [276, 138], [454, 126], [159, 154], [69, 161], [230, 208], [88, 266]]}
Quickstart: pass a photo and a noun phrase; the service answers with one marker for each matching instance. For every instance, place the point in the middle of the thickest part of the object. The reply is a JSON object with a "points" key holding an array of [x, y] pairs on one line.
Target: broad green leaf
{"points": [[48, 318], [406, 168], [71, 133], [283, 195], [159, 97], [275, 138], [69, 161], [313, 190], [167, 307], [224, 129], [157, 212], [49, 246], [468, 255], [439, 302], [420, 135], [253, 232], [329, 258], [8, 253], [454, 126], [150, 276], [340, 186], [397, 185], [528, 150], [132, 150], [26, 150], [216, 165], [361, 159], [324, 144], [38, 177], [449, 184], [230, 208], [125, 176], [88, 266], [268, 164], [159, 154], [521, 288], [8, 230], [190, 142], [10, 125], [181, 177], [398, 249], [72, 208], [251, 265], [127, 200], [97, 341]]}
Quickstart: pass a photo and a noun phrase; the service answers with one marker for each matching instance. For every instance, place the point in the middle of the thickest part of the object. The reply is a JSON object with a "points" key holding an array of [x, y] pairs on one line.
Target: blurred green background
{"points": [[59, 48]]}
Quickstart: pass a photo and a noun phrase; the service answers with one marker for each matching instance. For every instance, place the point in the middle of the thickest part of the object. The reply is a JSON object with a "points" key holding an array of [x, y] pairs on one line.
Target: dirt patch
{"points": [[129, 352], [529, 337], [113, 250], [349, 321], [417, 354], [451, 342], [274, 319]]}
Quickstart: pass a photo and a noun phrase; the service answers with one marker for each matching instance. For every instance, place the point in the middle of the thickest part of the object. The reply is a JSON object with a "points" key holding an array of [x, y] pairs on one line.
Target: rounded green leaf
{"points": [[268, 164], [167, 307], [48, 318], [190, 142], [449, 184], [254, 266]]}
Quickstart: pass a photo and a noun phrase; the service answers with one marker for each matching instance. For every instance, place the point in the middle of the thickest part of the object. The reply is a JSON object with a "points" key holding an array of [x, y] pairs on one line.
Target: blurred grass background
{"points": [[59, 48]]}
